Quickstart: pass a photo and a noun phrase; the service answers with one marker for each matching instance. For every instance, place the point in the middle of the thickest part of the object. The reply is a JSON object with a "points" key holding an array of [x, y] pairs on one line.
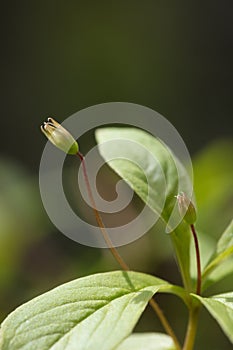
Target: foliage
{"points": [[101, 310]]}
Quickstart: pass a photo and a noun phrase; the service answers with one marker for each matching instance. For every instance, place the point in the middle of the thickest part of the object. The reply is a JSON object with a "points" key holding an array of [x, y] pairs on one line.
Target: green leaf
{"points": [[83, 313], [155, 174], [223, 254], [221, 308], [226, 240], [148, 341]]}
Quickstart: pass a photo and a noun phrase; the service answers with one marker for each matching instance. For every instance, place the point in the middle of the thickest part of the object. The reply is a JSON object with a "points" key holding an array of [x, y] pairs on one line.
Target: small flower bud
{"points": [[59, 136], [186, 208]]}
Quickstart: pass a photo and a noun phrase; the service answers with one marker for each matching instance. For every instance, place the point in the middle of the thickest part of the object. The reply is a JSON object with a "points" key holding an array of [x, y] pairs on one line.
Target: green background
{"points": [[58, 57]]}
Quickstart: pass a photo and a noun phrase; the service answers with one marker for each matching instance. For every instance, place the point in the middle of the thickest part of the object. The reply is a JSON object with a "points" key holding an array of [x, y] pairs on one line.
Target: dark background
{"points": [[61, 56], [58, 57]]}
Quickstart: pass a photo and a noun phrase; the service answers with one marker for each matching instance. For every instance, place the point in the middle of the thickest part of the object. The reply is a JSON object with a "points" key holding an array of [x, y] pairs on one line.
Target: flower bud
{"points": [[186, 208], [59, 136]]}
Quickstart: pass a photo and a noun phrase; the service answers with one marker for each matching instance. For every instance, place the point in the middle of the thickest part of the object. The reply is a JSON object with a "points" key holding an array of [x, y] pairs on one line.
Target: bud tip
{"points": [[186, 208], [59, 136]]}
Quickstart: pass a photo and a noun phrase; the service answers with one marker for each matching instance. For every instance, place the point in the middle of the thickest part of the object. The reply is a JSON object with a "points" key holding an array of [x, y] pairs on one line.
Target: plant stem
{"points": [[118, 257], [99, 220], [198, 289], [191, 329], [165, 323]]}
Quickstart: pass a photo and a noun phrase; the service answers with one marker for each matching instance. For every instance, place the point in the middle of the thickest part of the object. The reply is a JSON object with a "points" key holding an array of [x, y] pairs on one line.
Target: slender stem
{"points": [[99, 220], [191, 329], [165, 323], [198, 289], [118, 257]]}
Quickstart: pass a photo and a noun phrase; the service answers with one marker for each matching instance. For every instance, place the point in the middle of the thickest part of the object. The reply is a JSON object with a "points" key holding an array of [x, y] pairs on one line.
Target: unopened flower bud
{"points": [[186, 208], [59, 136]]}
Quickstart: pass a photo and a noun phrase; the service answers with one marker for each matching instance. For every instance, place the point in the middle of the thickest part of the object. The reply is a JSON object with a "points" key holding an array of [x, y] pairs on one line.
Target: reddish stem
{"points": [[198, 290], [99, 220]]}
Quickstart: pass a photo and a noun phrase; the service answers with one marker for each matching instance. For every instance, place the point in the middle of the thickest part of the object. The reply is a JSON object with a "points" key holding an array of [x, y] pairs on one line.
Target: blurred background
{"points": [[58, 57]]}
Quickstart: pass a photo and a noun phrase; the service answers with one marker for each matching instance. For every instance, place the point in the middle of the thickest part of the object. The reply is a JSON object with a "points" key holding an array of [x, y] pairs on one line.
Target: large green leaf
{"points": [[82, 314], [155, 174], [221, 308], [148, 341], [220, 264]]}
